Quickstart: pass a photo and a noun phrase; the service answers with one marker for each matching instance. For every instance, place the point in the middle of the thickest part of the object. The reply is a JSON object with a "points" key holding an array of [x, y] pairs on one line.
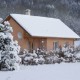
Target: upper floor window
{"points": [[19, 35]]}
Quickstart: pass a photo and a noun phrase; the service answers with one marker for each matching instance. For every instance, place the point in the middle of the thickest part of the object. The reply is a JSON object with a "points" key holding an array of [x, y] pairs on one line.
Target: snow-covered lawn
{"points": [[63, 71]]}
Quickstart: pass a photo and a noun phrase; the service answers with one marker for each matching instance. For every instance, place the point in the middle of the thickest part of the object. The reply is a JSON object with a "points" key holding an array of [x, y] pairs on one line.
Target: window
{"points": [[28, 45], [19, 35], [55, 45]]}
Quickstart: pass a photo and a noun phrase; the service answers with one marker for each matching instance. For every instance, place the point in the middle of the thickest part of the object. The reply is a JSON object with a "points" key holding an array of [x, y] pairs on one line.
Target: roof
{"points": [[44, 27]]}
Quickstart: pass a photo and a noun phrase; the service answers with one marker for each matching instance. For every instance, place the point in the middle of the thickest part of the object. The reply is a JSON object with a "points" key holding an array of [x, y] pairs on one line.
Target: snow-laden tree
{"points": [[1, 20], [9, 49]]}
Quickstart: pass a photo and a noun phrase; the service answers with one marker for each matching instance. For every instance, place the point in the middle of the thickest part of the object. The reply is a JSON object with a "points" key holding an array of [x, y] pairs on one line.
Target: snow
{"points": [[0, 55], [77, 43], [9, 49], [1, 20], [28, 58], [6, 23], [63, 71], [77, 55], [1, 25], [44, 27]]}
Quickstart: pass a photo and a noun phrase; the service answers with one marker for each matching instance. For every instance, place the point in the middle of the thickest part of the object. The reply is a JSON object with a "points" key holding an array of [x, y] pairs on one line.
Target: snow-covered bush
{"points": [[39, 59], [28, 58], [52, 57], [65, 54], [77, 56], [1, 20], [9, 49], [32, 58]]}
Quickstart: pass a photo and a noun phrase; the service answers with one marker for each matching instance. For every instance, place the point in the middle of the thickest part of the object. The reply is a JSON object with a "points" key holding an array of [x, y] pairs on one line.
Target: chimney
{"points": [[28, 12]]}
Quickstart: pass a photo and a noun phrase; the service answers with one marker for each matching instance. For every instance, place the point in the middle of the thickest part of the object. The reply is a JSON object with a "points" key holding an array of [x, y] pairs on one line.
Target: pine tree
{"points": [[9, 49]]}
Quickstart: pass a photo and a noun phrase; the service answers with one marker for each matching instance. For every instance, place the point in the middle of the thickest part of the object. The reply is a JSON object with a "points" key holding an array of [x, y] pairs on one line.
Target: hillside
{"points": [[66, 10]]}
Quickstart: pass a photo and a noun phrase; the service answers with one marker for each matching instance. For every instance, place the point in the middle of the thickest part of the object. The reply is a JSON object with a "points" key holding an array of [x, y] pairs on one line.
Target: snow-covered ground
{"points": [[63, 71]]}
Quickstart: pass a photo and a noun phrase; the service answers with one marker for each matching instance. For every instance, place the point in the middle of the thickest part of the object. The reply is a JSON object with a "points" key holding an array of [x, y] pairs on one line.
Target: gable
{"points": [[16, 25]]}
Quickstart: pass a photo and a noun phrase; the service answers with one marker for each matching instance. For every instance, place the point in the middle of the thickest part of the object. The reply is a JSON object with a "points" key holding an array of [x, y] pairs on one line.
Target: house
{"points": [[34, 32]]}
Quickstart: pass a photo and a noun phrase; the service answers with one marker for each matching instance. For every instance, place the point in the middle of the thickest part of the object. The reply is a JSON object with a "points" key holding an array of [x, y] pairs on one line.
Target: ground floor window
{"points": [[28, 45], [55, 45]]}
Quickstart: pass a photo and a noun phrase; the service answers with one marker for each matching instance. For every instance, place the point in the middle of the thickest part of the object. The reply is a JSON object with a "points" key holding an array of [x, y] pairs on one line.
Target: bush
{"points": [[67, 54]]}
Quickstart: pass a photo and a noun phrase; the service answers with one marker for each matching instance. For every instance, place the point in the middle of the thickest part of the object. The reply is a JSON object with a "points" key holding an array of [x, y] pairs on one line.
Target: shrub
{"points": [[67, 54]]}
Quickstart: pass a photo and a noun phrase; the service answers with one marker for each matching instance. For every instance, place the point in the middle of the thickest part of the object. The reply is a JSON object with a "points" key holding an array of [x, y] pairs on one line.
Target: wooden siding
{"points": [[61, 42], [28, 41], [16, 28]]}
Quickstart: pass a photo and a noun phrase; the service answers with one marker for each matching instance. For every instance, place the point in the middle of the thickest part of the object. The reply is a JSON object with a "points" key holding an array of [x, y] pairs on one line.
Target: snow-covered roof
{"points": [[44, 27]]}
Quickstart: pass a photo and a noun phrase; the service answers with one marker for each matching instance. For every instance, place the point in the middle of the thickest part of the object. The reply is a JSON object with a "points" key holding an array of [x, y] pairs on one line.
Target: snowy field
{"points": [[63, 71]]}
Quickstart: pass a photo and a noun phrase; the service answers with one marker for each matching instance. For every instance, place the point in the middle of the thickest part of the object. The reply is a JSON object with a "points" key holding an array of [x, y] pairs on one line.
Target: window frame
{"points": [[19, 35], [55, 46]]}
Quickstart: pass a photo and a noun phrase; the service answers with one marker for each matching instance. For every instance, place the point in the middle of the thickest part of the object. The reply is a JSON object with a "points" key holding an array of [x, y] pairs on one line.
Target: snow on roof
{"points": [[44, 27]]}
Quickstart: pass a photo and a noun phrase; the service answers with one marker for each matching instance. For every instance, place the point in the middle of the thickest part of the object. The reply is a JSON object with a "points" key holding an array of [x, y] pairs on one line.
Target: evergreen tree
{"points": [[9, 49]]}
